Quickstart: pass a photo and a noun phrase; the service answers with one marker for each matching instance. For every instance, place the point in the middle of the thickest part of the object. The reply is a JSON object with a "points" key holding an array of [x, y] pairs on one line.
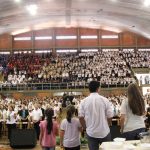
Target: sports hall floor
{"points": [[4, 145]]}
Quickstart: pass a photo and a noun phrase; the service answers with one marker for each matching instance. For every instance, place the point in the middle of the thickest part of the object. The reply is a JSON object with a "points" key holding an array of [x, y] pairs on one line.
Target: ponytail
{"points": [[70, 112], [49, 117]]}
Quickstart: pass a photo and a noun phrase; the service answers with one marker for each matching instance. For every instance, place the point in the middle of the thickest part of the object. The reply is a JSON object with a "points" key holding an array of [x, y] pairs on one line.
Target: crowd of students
{"points": [[109, 68], [37, 109], [138, 59]]}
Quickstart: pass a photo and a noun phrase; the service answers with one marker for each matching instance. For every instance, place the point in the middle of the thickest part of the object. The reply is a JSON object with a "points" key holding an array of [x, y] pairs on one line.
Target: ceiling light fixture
{"points": [[17, 1], [147, 3], [114, 0], [32, 9]]}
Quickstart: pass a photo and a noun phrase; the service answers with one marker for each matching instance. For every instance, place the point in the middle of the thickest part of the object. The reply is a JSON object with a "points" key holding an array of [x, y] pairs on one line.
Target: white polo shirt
{"points": [[36, 114], [96, 109]]}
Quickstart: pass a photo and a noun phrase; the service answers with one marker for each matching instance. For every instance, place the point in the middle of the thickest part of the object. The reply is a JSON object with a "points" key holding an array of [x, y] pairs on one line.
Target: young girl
{"points": [[69, 134], [48, 131]]}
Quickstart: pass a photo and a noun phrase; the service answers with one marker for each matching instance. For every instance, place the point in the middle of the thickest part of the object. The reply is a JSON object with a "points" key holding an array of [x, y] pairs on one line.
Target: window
{"points": [[66, 50], [5, 53], [22, 38], [43, 38], [89, 50], [144, 49], [66, 37], [20, 52], [88, 37], [110, 50], [109, 36], [128, 50], [42, 51]]}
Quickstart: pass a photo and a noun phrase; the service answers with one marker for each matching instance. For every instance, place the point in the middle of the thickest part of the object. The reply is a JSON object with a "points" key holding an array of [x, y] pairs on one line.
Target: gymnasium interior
{"points": [[50, 50]]}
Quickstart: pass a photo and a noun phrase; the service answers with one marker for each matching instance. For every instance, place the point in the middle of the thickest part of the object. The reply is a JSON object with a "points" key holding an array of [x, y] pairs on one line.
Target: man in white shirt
{"points": [[36, 118], [56, 110], [94, 113]]}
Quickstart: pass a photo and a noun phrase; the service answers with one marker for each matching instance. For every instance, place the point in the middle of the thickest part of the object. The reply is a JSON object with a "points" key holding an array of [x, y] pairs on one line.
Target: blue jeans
{"points": [[48, 148], [93, 143], [133, 135]]}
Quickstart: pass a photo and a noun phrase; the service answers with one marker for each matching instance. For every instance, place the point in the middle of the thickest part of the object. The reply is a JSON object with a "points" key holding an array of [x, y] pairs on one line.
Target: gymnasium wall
{"points": [[126, 39], [47, 93]]}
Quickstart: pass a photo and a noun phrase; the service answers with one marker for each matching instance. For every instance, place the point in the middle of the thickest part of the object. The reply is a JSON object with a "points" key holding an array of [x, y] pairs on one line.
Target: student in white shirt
{"points": [[94, 113], [70, 131], [11, 120], [132, 114], [36, 118], [56, 110]]}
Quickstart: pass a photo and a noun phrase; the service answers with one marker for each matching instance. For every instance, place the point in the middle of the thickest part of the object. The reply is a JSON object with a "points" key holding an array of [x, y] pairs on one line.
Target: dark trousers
{"points": [[10, 127], [133, 135], [76, 112], [24, 126], [73, 148], [1, 129], [37, 129], [93, 143], [48, 148]]}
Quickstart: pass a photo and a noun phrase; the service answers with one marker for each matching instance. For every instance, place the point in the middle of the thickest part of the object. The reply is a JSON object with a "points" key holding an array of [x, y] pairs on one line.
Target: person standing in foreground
{"points": [[132, 114], [95, 112], [49, 131], [70, 130], [36, 116]]}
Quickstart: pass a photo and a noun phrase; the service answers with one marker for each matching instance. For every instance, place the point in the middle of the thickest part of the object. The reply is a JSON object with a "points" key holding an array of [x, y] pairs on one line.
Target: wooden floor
{"points": [[4, 145]]}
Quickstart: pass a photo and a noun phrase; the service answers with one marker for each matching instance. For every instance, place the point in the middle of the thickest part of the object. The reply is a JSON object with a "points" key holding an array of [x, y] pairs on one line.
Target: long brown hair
{"points": [[135, 100], [49, 117], [70, 112]]}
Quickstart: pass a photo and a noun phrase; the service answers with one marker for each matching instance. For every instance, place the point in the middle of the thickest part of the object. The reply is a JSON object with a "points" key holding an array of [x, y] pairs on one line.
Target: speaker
{"points": [[115, 131], [23, 138]]}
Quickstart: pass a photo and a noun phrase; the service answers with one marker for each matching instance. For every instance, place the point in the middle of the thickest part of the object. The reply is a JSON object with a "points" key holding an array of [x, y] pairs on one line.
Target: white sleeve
{"points": [[81, 110], [79, 124], [109, 110], [63, 125], [31, 114], [41, 113], [123, 109]]}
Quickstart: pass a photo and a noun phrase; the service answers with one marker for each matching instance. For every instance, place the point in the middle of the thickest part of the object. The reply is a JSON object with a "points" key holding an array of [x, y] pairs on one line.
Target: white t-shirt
{"points": [[132, 122], [96, 109], [36, 114], [56, 111], [11, 117], [71, 136]]}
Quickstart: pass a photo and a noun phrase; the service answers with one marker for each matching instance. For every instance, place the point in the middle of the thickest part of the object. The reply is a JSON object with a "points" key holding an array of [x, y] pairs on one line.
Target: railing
{"points": [[52, 86]]}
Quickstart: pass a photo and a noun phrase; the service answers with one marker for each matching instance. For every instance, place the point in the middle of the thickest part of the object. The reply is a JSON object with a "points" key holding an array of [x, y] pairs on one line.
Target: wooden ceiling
{"points": [[114, 15]]}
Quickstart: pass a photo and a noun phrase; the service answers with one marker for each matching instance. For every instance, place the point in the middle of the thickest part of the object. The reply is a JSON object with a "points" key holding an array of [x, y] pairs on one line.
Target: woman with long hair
{"points": [[48, 131], [132, 113], [70, 130]]}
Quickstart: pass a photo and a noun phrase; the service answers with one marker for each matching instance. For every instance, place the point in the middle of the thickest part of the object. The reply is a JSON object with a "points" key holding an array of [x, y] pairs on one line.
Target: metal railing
{"points": [[52, 86]]}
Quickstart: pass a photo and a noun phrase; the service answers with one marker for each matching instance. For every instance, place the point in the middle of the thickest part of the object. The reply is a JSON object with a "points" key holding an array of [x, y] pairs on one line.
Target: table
{"points": [[110, 146]]}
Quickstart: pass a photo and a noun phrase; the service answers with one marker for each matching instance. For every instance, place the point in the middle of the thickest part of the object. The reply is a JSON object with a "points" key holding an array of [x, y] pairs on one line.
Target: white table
{"points": [[110, 146]]}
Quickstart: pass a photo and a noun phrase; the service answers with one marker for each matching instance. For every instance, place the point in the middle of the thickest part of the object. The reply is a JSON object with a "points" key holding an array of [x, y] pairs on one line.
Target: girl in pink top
{"points": [[48, 131]]}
